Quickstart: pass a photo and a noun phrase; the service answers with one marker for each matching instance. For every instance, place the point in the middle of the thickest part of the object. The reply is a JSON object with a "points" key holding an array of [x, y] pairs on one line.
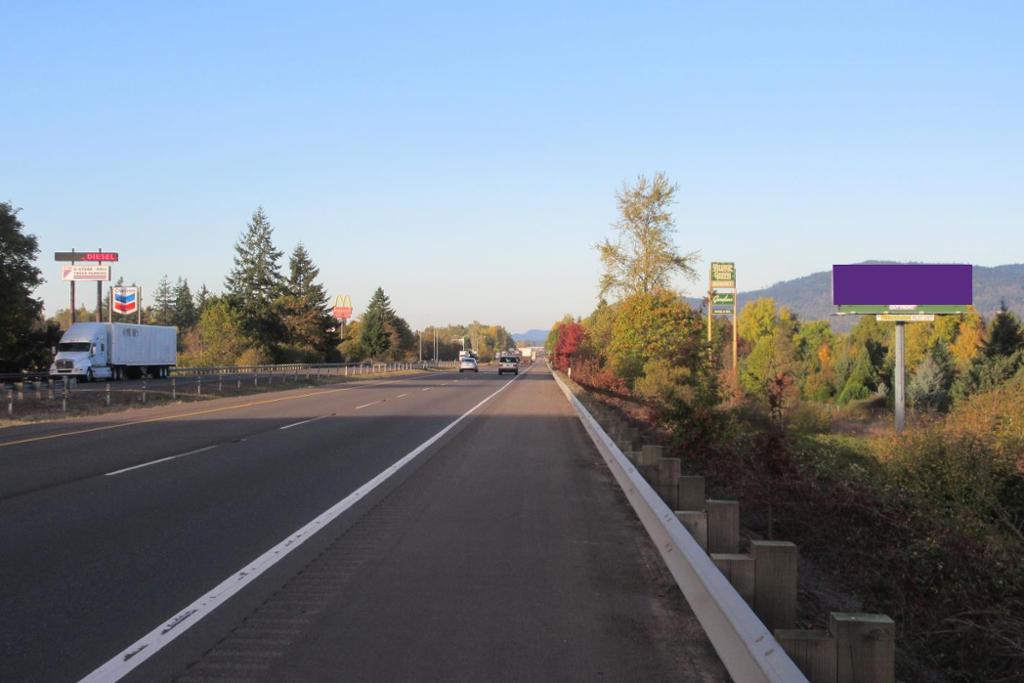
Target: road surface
{"points": [[498, 550]]}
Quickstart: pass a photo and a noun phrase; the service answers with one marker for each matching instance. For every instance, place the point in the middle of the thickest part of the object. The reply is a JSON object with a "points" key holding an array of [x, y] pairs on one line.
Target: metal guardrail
{"points": [[289, 368], [743, 643]]}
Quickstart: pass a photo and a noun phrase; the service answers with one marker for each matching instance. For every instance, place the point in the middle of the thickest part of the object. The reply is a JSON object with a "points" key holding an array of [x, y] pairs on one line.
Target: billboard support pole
{"points": [[900, 376]]}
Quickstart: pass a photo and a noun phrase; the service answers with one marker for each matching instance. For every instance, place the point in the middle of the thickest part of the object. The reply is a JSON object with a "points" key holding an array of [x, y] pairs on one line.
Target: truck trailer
{"points": [[91, 351]]}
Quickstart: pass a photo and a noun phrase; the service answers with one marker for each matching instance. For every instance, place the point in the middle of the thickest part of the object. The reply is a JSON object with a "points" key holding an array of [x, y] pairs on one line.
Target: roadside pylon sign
{"points": [[126, 300], [342, 309]]}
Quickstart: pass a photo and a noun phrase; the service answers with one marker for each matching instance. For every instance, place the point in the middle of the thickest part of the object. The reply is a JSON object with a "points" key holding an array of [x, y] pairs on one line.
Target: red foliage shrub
{"points": [[570, 336]]}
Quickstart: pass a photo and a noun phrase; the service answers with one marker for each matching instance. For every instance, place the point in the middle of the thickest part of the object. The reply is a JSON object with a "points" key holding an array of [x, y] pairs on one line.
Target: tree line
{"points": [[266, 313]]}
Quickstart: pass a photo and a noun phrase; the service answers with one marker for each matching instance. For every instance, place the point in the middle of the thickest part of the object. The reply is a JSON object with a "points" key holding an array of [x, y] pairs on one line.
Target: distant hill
{"points": [[535, 336], [810, 296]]}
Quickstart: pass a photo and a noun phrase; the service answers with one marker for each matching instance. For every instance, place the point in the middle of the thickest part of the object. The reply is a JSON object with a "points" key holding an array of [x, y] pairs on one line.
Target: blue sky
{"points": [[466, 158]]}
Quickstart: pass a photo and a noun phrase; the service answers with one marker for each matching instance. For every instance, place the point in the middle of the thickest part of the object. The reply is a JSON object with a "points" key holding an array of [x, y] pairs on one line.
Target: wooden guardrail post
{"points": [[669, 471], [723, 526], [814, 653], [695, 522], [740, 570], [775, 566], [865, 647], [691, 493]]}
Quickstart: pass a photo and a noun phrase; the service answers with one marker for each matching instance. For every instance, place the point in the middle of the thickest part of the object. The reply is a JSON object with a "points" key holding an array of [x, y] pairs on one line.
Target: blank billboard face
{"points": [[902, 284]]}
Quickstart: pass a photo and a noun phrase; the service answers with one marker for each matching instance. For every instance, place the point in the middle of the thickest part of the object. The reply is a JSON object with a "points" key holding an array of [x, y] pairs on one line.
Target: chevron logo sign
{"points": [[126, 299]]}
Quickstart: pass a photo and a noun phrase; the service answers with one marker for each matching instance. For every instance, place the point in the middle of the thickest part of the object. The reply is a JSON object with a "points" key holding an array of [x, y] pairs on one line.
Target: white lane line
{"points": [[154, 641], [402, 395], [154, 462], [296, 424], [367, 405], [427, 388]]}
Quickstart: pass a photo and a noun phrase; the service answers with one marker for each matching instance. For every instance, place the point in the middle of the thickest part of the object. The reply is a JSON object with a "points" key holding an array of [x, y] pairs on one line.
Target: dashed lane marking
{"points": [[154, 462]]}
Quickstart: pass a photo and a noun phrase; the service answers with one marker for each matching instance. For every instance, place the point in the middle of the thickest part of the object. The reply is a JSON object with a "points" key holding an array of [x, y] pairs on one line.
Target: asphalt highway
{"points": [[428, 527]]}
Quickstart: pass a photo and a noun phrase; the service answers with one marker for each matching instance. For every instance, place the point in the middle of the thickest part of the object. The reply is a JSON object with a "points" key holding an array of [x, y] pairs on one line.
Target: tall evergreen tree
{"points": [[376, 320], [255, 282], [202, 299], [303, 307], [163, 303], [18, 279], [1004, 336], [302, 275], [184, 309]]}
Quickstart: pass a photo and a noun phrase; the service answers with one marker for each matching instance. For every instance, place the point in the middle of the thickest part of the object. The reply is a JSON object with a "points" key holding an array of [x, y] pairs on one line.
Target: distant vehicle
{"points": [[526, 353], [468, 364], [508, 362], [115, 351]]}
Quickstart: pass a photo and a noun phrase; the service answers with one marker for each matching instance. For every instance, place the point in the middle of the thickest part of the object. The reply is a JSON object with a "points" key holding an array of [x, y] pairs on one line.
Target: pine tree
{"points": [[163, 303], [1004, 337], [255, 282], [302, 275], [929, 388], [375, 338], [202, 299], [184, 310]]}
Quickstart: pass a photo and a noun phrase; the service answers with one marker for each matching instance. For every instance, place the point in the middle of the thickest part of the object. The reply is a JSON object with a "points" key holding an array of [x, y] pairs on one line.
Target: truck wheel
{"points": [[88, 375]]}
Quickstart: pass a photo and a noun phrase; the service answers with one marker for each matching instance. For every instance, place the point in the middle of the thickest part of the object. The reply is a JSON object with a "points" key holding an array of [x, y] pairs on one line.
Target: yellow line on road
{"points": [[165, 418]]}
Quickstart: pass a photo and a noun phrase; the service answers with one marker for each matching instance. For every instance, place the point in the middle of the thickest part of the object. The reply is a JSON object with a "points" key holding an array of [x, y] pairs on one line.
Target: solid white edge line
{"points": [[302, 422], [148, 645], [154, 462]]}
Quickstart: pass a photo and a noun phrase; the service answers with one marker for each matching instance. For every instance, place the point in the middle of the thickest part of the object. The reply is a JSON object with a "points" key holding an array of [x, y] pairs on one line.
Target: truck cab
{"points": [[83, 352]]}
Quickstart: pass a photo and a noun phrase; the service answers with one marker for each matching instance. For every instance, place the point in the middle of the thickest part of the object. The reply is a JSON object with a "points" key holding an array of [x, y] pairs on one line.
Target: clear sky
{"points": [[465, 157]]}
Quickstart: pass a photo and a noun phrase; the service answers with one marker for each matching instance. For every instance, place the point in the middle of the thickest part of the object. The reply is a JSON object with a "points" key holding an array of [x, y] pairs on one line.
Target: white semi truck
{"points": [[91, 351]]}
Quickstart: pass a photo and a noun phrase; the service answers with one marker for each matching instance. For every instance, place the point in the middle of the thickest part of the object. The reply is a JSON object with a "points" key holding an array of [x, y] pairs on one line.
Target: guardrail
{"points": [[746, 647], [37, 395]]}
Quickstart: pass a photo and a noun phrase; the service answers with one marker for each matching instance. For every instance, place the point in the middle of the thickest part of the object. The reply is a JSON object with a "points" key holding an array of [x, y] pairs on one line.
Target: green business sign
{"points": [[722, 303], [723, 275], [859, 309]]}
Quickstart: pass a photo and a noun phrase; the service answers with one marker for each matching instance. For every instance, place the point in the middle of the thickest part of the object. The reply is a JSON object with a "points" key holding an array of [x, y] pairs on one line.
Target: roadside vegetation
{"points": [[266, 313], [926, 526]]}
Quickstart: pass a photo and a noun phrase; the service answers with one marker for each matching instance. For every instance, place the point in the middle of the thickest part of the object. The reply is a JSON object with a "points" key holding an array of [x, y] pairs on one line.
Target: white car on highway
{"points": [[508, 363], [468, 364]]}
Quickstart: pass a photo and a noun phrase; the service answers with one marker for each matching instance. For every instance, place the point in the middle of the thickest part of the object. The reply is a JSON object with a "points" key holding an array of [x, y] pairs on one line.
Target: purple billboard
{"points": [[896, 284]]}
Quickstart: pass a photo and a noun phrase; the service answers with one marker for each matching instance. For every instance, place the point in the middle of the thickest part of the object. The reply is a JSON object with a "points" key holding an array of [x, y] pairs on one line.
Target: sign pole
{"points": [[138, 310], [99, 298], [735, 344], [900, 376], [72, 295]]}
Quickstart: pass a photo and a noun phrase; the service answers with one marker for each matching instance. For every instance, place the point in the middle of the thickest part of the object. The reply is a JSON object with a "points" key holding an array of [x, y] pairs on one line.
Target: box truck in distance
{"points": [[91, 351]]}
